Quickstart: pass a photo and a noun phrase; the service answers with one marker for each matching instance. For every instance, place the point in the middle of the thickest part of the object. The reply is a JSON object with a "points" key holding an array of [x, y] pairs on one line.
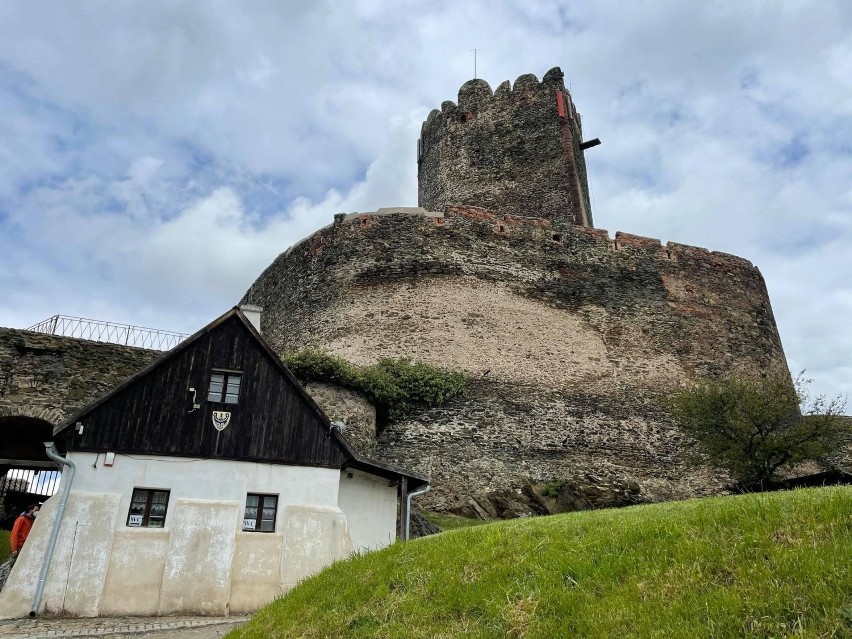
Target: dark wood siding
{"points": [[274, 421]]}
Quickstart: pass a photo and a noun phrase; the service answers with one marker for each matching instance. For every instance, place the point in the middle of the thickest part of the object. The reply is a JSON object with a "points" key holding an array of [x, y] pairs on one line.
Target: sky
{"points": [[156, 157]]}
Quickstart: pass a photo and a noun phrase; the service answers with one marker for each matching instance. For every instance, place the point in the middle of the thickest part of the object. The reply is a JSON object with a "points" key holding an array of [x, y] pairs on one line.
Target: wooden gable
{"points": [[152, 413]]}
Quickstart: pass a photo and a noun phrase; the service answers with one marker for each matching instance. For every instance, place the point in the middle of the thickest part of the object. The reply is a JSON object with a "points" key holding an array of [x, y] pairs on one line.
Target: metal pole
{"points": [[50, 449], [407, 529]]}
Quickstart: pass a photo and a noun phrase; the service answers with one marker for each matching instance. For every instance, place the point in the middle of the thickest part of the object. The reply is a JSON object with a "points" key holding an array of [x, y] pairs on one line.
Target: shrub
{"points": [[396, 387], [756, 426]]}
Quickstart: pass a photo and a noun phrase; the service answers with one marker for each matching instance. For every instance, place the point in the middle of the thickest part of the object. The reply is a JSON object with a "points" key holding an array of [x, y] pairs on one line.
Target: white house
{"points": [[208, 483]]}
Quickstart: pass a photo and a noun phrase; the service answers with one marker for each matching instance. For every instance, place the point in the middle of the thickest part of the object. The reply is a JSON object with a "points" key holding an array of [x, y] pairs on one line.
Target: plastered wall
{"points": [[370, 506], [201, 562]]}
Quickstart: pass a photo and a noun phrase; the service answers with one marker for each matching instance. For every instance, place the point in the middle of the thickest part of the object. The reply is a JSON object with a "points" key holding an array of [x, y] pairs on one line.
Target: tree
{"points": [[755, 427]]}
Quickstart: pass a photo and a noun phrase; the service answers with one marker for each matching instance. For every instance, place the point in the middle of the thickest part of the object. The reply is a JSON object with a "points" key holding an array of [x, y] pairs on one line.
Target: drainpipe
{"points": [[416, 493], [50, 449]]}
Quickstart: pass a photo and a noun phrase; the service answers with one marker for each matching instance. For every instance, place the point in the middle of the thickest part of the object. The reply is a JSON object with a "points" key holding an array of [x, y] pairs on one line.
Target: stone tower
{"points": [[517, 151]]}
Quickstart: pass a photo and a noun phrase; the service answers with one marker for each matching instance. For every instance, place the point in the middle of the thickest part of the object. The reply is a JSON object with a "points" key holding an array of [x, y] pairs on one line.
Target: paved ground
{"points": [[142, 627]]}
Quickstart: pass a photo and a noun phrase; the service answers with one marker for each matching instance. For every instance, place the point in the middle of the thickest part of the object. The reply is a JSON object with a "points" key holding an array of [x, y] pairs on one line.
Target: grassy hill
{"points": [[769, 565]]}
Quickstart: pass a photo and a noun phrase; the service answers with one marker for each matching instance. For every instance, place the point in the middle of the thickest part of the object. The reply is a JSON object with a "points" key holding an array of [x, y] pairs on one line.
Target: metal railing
{"points": [[111, 332], [20, 487]]}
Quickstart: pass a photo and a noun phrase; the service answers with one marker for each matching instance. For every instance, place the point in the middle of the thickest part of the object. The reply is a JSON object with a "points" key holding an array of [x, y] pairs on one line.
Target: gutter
{"points": [[416, 493], [50, 449]]}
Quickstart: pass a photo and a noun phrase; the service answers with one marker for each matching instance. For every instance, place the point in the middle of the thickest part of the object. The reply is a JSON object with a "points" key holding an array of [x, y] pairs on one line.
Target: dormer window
{"points": [[224, 387]]}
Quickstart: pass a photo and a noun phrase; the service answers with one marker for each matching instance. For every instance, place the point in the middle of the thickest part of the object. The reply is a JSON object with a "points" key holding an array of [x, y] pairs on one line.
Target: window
{"points": [[260, 513], [224, 387], [148, 508]]}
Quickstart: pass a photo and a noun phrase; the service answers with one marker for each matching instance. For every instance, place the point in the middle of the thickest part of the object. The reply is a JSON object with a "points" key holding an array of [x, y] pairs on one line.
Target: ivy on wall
{"points": [[396, 387]]}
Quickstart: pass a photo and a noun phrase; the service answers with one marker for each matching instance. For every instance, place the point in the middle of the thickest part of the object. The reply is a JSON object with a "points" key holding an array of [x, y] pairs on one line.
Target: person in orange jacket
{"points": [[22, 527]]}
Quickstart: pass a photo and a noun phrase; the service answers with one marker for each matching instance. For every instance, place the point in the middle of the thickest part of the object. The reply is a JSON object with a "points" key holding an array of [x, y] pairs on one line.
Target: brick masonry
{"points": [[569, 340]]}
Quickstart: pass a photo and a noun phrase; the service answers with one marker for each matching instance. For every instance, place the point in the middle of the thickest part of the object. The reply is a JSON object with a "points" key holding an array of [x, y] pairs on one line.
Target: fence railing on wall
{"points": [[111, 332]]}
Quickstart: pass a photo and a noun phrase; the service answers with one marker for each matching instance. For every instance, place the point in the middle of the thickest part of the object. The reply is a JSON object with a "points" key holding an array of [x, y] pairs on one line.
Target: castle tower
{"points": [[517, 151]]}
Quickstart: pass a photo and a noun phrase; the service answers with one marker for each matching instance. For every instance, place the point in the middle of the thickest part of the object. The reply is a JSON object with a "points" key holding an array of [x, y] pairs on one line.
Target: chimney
{"points": [[252, 314]]}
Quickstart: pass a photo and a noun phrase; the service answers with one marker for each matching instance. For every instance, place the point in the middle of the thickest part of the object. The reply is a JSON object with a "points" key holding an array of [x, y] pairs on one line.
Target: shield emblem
{"points": [[221, 419]]}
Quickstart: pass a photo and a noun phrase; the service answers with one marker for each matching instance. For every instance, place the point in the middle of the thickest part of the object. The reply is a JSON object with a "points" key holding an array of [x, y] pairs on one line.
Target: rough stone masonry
{"points": [[568, 339]]}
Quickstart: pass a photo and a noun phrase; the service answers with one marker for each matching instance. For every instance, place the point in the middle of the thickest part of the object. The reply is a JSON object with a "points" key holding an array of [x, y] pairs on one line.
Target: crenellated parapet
{"points": [[517, 150], [527, 231]]}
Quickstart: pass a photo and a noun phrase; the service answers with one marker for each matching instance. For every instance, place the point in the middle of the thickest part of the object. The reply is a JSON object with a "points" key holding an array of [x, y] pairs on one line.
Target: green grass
{"points": [[767, 565], [5, 547], [445, 521]]}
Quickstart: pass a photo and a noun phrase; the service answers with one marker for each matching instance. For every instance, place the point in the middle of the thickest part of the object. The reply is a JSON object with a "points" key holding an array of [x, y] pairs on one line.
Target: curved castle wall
{"points": [[569, 340]]}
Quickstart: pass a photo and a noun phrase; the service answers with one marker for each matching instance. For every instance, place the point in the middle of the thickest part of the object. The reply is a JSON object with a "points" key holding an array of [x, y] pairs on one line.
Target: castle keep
{"points": [[518, 151], [569, 337]]}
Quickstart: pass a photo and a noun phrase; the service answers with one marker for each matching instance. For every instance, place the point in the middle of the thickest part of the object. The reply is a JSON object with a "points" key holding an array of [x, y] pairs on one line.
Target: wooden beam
{"points": [[28, 463]]}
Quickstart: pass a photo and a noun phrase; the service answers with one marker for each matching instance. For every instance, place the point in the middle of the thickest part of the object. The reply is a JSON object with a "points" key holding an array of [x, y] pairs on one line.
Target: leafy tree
{"points": [[758, 426]]}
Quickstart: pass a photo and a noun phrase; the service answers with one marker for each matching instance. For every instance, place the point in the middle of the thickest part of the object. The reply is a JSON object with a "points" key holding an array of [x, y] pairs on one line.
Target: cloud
{"points": [[154, 159]]}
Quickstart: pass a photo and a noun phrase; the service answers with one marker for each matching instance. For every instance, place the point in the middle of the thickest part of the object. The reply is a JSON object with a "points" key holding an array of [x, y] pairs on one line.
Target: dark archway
{"points": [[22, 438], [27, 474]]}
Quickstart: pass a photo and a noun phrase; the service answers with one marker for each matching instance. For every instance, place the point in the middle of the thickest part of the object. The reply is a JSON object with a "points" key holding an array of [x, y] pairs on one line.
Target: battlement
{"points": [[405, 224], [476, 95], [517, 149]]}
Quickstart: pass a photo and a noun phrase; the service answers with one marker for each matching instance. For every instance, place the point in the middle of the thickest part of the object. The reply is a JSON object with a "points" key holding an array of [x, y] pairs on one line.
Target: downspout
{"points": [[50, 449], [416, 493]]}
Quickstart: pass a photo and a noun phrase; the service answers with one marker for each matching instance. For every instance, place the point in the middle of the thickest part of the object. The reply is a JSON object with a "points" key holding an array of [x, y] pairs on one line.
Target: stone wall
{"points": [[49, 377], [515, 150], [353, 409], [569, 340]]}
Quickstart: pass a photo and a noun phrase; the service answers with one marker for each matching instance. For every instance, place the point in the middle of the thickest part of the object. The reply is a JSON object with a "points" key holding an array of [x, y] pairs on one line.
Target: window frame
{"points": [[261, 506], [228, 375], [146, 512]]}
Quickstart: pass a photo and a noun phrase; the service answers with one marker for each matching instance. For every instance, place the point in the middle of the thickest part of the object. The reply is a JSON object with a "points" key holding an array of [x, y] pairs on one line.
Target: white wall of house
{"points": [[201, 561], [370, 506], [189, 478]]}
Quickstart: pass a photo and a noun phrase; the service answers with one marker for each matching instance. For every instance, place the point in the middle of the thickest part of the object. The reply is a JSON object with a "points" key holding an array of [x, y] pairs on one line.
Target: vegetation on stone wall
{"points": [[756, 427], [396, 387]]}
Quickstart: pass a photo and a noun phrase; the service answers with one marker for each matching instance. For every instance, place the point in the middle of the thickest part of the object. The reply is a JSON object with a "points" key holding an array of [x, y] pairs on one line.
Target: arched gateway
{"points": [[27, 475]]}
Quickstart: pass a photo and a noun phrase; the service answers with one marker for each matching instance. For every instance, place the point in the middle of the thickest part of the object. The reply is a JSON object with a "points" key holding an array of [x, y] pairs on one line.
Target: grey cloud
{"points": [[156, 157]]}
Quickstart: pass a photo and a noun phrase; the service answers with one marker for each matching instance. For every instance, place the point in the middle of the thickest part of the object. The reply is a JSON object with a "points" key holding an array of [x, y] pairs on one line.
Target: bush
{"points": [[396, 387], [757, 426]]}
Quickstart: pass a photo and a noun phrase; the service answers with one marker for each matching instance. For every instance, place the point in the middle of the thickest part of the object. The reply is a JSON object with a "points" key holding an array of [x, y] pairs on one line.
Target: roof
{"points": [[352, 460]]}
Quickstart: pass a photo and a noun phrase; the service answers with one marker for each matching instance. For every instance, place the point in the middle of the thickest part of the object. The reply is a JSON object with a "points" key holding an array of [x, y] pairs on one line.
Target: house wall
{"points": [[200, 562], [370, 505]]}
